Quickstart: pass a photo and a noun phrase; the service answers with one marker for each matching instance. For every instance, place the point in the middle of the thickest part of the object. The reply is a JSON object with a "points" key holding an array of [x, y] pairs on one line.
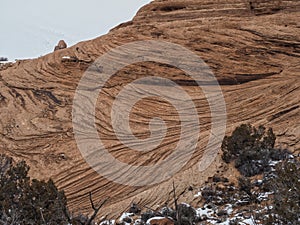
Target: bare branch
{"points": [[96, 209], [42, 216], [92, 202], [178, 216]]}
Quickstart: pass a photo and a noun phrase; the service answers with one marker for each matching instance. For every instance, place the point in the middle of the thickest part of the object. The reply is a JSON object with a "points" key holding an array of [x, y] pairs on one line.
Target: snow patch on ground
{"points": [[154, 218]]}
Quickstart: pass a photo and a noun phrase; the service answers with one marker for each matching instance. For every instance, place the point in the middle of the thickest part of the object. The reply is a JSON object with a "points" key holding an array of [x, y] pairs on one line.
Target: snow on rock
{"points": [[229, 209], [159, 221], [107, 222], [154, 218], [264, 196], [206, 210], [126, 218], [198, 194], [249, 221]]}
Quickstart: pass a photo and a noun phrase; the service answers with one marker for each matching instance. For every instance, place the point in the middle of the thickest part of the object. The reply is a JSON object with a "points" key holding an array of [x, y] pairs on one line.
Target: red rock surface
{"points": [[253, 48]]}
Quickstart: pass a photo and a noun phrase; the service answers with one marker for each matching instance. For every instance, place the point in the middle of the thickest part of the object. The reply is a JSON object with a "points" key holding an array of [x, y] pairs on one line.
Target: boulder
{"points": [[160, 221], [61, 45]]}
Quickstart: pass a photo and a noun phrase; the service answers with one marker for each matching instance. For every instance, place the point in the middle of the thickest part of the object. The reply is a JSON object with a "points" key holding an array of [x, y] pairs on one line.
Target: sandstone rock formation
{"points": [[253, 48], [61, 45]]}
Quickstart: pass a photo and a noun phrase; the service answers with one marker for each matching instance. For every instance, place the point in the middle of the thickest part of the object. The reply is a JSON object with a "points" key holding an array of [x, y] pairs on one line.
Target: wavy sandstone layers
{"points": [[253, 48]]}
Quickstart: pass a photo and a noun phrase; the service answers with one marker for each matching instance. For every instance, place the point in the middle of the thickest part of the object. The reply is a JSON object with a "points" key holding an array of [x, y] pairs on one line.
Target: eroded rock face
{"points": [[61, 45], [252, 48]]}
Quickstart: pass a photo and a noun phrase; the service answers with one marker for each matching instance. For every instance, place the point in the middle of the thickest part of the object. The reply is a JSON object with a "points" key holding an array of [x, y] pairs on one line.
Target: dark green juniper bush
{"points": [[251, 149], [29, 201]]}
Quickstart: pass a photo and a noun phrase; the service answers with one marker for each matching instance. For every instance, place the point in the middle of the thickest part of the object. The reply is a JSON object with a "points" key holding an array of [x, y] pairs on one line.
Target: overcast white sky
{"points": [[31, 28]]}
